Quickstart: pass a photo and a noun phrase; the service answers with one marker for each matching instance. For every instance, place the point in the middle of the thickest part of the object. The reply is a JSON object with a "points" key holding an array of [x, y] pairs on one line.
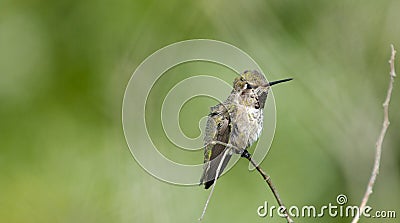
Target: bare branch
{"points": [[379, 142], [215, 182], [266, 177]]}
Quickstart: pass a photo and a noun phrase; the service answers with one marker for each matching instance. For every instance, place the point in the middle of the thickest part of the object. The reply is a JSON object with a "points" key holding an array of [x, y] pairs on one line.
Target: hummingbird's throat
{"points": [[262, 98]]}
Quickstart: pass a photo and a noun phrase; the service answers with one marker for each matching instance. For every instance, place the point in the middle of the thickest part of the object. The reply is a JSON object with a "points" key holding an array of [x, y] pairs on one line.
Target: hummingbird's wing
{"points": [[217, 129]]}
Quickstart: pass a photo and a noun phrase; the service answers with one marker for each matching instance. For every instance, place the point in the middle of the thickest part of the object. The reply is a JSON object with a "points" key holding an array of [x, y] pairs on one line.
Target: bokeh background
{"points": [[64, 66]]}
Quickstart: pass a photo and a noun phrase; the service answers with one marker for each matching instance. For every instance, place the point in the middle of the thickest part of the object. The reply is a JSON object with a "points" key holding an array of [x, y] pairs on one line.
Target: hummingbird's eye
{"points": [[248, 86]]}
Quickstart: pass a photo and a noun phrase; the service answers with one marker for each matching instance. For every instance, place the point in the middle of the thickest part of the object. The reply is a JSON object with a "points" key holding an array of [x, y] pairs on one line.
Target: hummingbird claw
{"points": [[246, 154]]}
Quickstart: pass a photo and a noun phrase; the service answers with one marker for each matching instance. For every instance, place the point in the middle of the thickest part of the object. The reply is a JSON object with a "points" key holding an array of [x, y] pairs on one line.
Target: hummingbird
{"points": [[238, 121]]}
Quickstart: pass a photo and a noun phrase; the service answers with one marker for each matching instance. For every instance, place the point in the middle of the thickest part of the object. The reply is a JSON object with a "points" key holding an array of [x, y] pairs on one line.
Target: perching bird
{"points": [[237, 121]]}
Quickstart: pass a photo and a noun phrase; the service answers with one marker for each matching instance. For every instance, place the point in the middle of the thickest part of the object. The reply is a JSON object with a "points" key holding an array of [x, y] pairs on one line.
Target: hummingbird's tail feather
{"points": [[209, 174]]}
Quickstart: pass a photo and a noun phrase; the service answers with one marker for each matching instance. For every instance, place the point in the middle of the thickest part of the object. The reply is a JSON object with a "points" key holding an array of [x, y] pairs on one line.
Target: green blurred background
{"points": [[64, 66]]}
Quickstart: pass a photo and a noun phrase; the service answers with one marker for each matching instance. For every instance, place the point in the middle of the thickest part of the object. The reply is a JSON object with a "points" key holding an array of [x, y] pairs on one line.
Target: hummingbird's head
{"points": [[254, 82], [249, 80]]}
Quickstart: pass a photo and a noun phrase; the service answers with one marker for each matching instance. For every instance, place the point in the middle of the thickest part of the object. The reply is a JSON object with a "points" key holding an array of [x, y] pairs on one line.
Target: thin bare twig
{"points": [[215, 183], [379, 142], [266, 177]]}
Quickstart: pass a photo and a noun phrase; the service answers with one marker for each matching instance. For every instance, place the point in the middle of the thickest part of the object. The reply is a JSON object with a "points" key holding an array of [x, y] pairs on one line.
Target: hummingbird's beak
{"points": [[279, 81]]}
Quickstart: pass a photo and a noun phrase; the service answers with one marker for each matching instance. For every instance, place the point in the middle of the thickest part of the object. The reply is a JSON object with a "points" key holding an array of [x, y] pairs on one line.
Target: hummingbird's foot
{"points": [[246, 154]]}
